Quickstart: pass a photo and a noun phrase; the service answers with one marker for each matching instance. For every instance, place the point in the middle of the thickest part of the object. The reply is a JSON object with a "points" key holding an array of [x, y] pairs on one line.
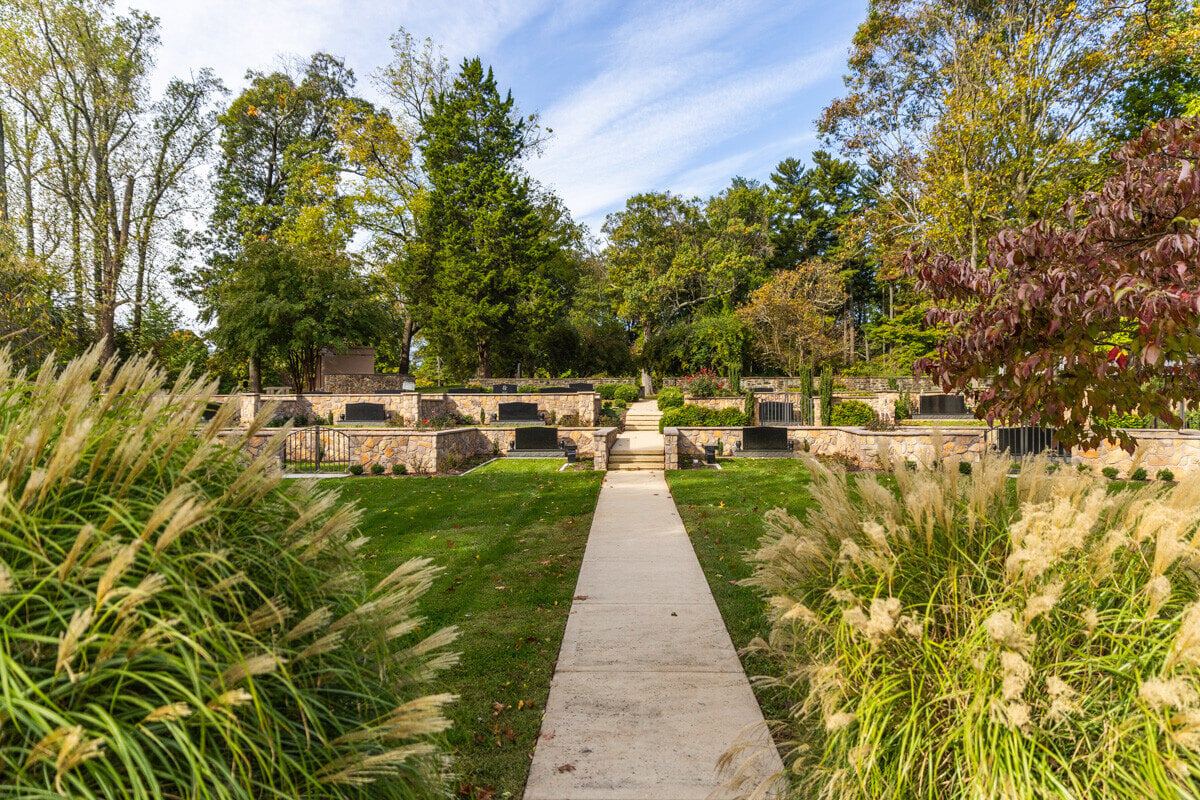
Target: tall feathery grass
{"points": [[175, 623], [975, 637]]}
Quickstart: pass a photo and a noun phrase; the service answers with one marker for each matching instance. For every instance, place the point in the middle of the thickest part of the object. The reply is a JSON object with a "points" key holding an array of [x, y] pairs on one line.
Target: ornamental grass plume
{"points": [[169, 609], [963, 637]]}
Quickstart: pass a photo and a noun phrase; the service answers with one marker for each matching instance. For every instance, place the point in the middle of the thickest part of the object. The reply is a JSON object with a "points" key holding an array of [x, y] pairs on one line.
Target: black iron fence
{"points": [[1028, 441], [796, 410], [316, 449]]}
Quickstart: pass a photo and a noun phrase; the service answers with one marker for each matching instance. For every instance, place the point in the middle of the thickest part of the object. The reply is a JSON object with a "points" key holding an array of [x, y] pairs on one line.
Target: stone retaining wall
{"points": [[852, 383], [604, 438], [883, 403], [1178, 451], [410, 407], [427, 451]]}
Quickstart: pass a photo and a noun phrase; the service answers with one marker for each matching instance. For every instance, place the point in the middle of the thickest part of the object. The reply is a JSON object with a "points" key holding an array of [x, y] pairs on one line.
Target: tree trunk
{"points": [[647, 381], [484, 369], [406, 345], [254, 375], [3, 177], [139, 293]]}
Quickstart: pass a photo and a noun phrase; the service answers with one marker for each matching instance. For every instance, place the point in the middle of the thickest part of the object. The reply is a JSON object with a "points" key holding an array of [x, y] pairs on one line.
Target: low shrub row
{"points": [[626, 392], [669, 397], [851, 413], [691, 416]]}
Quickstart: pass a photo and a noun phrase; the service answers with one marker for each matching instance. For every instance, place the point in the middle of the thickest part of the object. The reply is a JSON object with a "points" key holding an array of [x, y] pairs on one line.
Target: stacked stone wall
{"points": [[412, 407]]}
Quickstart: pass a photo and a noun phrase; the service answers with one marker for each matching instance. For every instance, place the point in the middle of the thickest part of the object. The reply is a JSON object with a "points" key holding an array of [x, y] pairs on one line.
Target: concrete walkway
{"points": [[648, 691]]}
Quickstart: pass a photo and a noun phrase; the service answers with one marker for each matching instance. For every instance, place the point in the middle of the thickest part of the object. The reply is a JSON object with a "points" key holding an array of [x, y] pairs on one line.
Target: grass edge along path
{"points": [[510, 539], [722, 511]]}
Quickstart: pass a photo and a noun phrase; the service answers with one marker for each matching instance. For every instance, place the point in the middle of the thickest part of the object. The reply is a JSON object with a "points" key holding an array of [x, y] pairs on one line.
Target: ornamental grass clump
{"points": [[968, 636], [178, 623]]}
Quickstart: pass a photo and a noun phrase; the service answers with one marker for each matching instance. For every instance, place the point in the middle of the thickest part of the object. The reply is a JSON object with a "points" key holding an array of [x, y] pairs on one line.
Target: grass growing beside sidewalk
{"points": [[510, 537], [723, 513]]}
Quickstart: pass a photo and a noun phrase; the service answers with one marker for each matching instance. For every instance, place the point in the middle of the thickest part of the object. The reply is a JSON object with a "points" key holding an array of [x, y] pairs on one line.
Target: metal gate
{"points": [[1021, 442], [797, 410], [316, 449]]}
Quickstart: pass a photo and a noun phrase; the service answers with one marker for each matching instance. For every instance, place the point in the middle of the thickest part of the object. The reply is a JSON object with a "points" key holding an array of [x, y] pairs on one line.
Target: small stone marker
{"points": [[365, 412], [943, 405], [518, 412], [764, 438], [536, 438]]}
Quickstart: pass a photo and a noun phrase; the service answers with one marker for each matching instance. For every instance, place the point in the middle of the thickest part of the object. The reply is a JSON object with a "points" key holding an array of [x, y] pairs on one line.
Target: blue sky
{"points": [[641, 95]]}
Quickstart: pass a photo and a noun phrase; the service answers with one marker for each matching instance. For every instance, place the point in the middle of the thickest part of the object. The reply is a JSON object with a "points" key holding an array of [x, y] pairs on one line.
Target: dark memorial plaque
{"points": [[518, 412], [462, 391], [536, 439], [365, 412], [581, 387], [943, 405], [554, 390], [772, 412], [505, 388], [764, 438]]}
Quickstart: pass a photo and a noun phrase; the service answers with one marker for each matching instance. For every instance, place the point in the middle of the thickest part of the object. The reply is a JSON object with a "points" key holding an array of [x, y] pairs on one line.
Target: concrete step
{"points": [[635, 457]]}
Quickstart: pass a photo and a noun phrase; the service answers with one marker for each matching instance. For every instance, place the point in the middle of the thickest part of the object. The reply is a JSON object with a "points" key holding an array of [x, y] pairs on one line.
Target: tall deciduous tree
{"points": [[485, 262], [1077, 323], [292, 303], [792, 316], [666, 257], [104, 163]]}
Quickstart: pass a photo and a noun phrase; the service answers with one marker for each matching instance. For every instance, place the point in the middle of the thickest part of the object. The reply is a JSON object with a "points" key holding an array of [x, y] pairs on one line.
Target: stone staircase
{"points": [[640, 446]]}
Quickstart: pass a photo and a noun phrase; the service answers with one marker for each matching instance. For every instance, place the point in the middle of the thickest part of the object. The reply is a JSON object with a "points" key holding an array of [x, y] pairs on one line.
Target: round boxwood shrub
{"points": [[175, 613], [606, 390], [669, 397], [377, 469], [627, 392], [356, 469], [850, 413], [1166, 475], [1138, 474], [1110, 473], [399, 469]]}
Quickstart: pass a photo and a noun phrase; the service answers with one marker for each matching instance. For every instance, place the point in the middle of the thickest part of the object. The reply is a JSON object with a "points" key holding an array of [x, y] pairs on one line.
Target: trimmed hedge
{"points": [[853, 413], [669, 397], [691, 416]]}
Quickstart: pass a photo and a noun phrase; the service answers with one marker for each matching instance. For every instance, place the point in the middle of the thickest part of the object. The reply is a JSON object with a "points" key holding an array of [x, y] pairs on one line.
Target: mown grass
{"points": [[723, 513], [510, 537]]}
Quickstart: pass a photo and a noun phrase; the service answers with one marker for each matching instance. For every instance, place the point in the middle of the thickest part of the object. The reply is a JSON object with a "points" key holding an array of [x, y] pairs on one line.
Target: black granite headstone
{"points": [[773, 412], [210, 411], [943, 405], [581, 387], [505, 388], [462, 391], [536, 439], [554, 390], [764, 438], [365, 412], [518, 412]]}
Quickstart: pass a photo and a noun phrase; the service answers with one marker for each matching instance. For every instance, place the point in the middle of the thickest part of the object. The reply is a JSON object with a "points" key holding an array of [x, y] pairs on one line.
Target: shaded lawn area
{"points": [[723, 513], [510, 537]]}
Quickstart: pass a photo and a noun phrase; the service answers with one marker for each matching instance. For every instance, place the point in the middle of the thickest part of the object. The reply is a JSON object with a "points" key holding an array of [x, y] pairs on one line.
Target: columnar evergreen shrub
{"points": [[957, 637], [177, 622], [826, 395], [806, 381]]}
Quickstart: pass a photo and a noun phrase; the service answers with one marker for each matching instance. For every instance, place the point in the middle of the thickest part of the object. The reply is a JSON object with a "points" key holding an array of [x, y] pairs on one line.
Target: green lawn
{"points": [[723, 513], [510, 536]]}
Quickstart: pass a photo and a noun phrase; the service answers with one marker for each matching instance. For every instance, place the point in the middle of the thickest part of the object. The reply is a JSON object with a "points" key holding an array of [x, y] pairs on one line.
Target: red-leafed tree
{"points": [[1076, 325]]}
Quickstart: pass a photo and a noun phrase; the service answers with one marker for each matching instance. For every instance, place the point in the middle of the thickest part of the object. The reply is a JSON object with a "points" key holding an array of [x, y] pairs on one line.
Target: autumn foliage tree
{"points": [[1078, 323], [792, 316]]}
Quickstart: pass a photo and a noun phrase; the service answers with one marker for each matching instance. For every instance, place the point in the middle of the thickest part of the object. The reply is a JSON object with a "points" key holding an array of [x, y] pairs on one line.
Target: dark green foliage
{"points": [[1110, 473], [1165, 475], [826, 391], [750, 407], [627, 392], [691, 416], [356, 469], [487, 273], [669, 397], [851, 413], [399, 469], [1138, 474], [964, 467], [377, 469], [806, 381]]}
